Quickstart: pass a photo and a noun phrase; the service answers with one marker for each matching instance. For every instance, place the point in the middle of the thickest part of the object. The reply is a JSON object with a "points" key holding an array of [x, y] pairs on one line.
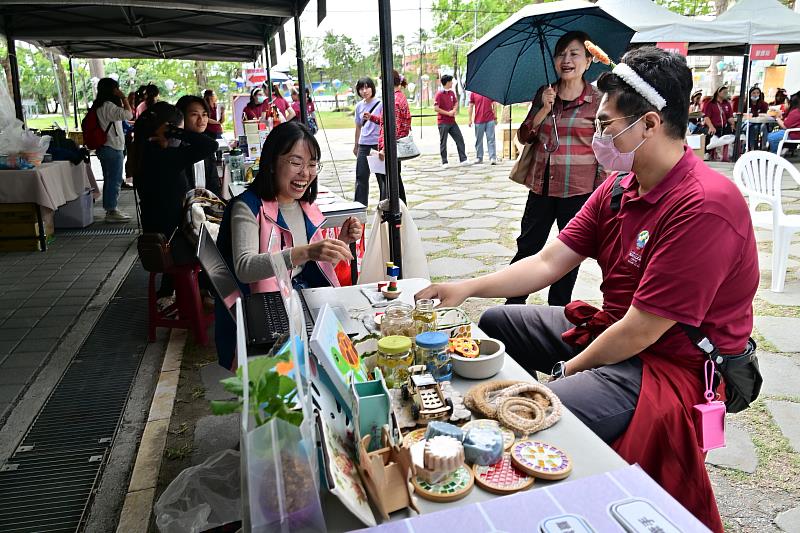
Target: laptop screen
{"points": [[219, 274]]}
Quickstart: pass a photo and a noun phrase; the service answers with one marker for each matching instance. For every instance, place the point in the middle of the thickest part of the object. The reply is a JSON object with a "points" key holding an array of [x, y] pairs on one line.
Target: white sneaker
{"points": [[477, 161], [445, 165], [493, 161], [115, 215], [466, 163]]}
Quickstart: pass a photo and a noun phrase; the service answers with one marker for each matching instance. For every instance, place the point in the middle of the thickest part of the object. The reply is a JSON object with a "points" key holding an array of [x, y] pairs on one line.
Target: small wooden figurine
{"points": [[386, 474], [392, 272]]}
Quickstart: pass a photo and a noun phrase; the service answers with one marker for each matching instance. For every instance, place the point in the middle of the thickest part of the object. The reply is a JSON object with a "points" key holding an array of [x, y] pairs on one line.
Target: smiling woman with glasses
{"points": [[277, 214]]}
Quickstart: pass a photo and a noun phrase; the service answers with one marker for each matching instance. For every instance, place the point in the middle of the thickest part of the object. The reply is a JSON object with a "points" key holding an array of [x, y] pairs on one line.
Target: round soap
{"points": [[508, 435], [443, 454], [541, 460], [483, 446], [436, 428]]}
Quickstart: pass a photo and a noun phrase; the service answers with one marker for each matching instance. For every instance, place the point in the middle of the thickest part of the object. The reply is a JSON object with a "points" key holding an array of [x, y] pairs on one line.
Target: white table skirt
{"points": [[50, 185]]}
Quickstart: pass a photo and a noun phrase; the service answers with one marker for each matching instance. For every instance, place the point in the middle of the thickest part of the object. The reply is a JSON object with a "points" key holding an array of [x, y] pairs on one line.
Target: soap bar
{"points": [[443, 454], [436, 428], [483, 446]]}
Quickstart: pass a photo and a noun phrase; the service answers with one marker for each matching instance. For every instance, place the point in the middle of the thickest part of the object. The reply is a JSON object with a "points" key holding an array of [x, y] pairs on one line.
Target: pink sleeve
{"points": [[581, 232]]}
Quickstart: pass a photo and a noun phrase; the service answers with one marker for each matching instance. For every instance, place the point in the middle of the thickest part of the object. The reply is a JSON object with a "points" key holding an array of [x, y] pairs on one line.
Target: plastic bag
{"points": [[281, 493], [203, 496]]}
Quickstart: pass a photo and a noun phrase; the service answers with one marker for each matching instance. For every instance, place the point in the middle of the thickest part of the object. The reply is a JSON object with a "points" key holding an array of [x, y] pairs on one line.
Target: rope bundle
{"points": [[522, 407]]}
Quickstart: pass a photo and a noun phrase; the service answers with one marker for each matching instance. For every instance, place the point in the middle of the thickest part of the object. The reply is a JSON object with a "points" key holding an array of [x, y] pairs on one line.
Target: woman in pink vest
{"points": [[277, 213]]}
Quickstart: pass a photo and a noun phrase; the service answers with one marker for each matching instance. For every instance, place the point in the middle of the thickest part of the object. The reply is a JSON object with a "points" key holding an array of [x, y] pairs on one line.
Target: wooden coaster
{"points": [[541, 460], [452, 488], [508, 435], [413, 437], [502, 477]]}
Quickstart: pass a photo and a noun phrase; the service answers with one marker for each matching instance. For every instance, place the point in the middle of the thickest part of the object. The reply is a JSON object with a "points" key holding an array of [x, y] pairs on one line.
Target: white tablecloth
{"points": [[50, 185]]}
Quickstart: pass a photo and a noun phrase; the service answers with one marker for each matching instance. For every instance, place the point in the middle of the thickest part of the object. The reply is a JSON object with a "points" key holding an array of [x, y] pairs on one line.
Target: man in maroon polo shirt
{"points": [[676, 246], [446, 106]]}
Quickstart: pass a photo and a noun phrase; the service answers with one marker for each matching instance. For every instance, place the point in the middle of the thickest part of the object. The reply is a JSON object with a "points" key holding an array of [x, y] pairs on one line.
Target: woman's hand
{"points": [[548, 99], [365, 116], [712, 130], [327, 250], [351, 231], [448, 294], [355, 150]]}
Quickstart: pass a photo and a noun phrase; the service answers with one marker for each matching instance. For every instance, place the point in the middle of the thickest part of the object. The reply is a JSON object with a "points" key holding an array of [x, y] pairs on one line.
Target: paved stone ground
{"points": [[470, 219], [42, 295]]}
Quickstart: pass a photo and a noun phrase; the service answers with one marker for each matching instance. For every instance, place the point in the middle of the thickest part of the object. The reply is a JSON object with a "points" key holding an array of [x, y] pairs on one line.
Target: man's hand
{"points": [[449, 294]]}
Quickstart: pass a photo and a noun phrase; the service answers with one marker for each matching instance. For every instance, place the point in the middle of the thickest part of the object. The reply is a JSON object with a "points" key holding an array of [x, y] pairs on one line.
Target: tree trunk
{"points": [[201, 75], [716, 76], [63, 82]]}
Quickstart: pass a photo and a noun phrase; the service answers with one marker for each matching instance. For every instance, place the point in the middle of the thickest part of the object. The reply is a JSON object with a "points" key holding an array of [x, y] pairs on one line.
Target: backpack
{"points": [[93, 135]]}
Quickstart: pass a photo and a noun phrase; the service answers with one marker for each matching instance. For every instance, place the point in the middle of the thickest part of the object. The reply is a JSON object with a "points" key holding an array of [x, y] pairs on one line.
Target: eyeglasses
{"points": [[600, 125], [297, 164]]}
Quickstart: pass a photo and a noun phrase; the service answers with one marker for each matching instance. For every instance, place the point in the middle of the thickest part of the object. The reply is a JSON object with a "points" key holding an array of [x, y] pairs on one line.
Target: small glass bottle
{"points": [[432, 352], [394, 358], [398, 320], [424, 316]]}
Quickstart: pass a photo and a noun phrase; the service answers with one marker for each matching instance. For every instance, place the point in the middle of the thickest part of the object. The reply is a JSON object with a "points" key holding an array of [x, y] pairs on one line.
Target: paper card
{"points": [[336, 353], [376, 166], [342, 474], [694, 141]]}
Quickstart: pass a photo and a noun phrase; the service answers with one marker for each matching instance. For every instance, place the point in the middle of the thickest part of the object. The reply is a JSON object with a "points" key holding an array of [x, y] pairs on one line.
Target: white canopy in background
{"points": [[654, 23], [767, 22]]}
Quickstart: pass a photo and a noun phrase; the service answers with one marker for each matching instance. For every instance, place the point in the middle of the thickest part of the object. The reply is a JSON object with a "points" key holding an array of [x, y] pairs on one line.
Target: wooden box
{"points": [[19, 227]]}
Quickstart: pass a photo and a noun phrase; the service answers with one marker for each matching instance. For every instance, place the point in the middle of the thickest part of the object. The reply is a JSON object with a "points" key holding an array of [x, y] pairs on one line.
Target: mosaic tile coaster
{"points": [[502, 477], [541, 460], [452, 488], [413, 437], [508, 435]]}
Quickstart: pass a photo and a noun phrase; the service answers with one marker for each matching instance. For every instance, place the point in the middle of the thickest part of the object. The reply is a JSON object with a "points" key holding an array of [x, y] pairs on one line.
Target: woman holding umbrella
{"points": [[564, 171]]}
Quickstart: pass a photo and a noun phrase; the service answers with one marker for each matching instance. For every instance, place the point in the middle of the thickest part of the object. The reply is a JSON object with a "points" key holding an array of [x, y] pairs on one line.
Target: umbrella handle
{"points": [[550, 149]]}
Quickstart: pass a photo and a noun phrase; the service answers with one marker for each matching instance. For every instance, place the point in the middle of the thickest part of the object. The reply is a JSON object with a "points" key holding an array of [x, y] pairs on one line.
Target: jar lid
{"points": [[236, 151], [432, 339], [394, 344]]}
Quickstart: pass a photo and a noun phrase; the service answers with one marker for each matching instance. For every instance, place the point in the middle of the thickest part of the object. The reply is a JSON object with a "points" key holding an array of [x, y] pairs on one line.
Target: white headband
{"points": [[632, 78]]}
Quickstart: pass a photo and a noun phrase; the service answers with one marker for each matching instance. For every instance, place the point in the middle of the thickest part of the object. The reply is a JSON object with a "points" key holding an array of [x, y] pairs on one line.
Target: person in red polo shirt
{"points": [[446, 106], [482, 113], [676, 246]]}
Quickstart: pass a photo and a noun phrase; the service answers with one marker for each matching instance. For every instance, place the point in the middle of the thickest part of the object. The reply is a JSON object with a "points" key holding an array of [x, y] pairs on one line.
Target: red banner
{"points": [[763, 52], [676, 48]]}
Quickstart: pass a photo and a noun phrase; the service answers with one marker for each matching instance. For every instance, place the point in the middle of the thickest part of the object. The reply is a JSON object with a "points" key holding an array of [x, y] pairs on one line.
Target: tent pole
{"points": [[269, 76], [746, 65], [73, 92], [301, 74], [393, 217], [12, 62]]}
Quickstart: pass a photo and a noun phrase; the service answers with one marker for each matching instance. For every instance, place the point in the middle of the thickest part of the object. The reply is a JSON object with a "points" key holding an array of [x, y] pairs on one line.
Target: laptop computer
{"points": [[265, 315]]}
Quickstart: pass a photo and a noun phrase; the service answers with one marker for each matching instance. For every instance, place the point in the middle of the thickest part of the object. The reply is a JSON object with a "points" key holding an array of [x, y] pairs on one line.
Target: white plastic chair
{"points": [[787, 140], [759, 175]]}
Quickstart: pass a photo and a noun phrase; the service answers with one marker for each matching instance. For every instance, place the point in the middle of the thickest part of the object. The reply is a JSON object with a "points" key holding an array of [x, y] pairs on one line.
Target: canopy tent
{"points": [[654, 23], [766, 22]]}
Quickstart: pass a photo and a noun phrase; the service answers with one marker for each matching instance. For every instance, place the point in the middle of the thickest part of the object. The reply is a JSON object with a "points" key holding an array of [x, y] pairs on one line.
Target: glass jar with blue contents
{"points": [[432, 352]]}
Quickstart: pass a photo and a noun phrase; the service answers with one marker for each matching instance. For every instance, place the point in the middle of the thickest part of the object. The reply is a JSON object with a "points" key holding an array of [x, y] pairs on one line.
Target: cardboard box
{"points": [[75, 214], [19, 227], [698, 144]]}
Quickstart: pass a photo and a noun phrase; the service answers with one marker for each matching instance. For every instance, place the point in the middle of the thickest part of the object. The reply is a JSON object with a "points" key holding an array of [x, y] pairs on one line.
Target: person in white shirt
{"points": [[112, 108]]}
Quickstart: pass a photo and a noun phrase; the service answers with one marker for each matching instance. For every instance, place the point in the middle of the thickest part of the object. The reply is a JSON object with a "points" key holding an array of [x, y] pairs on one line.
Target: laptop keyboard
{"points": [[267, 320]]}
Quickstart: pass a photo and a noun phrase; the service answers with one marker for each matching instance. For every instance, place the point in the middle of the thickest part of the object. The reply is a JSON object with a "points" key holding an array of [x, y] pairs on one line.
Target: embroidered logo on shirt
{"points": [[642, 239]]}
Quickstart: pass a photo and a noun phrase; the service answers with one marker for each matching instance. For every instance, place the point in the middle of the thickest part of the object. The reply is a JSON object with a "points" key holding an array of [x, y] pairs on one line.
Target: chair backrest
{"points": [[759, 175], [786, 139]]}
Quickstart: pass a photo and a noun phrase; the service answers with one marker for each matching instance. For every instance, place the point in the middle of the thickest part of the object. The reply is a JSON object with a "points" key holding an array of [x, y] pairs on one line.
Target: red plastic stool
{"points": [[187, 311]]}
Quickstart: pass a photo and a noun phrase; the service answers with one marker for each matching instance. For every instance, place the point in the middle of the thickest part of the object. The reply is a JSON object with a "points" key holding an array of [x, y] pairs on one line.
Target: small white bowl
{"points": [[487, 364]]}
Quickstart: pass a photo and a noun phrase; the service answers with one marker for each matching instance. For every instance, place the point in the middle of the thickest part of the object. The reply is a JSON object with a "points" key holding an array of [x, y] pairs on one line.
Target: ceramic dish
{"points": [[487, 364]]}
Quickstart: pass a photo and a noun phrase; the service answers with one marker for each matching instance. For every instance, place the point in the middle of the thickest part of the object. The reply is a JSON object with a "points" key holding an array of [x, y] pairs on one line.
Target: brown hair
{"points": [[398, 79]]}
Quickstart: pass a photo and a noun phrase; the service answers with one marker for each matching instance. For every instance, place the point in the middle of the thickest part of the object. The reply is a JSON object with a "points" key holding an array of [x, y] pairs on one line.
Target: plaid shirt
{"points": [[402, 117], [573, 167]]}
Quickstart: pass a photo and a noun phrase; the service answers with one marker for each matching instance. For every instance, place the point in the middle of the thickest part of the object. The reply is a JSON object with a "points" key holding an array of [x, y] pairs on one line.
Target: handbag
{"points": [[407, 148], [522, 166], [154, 252]]}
